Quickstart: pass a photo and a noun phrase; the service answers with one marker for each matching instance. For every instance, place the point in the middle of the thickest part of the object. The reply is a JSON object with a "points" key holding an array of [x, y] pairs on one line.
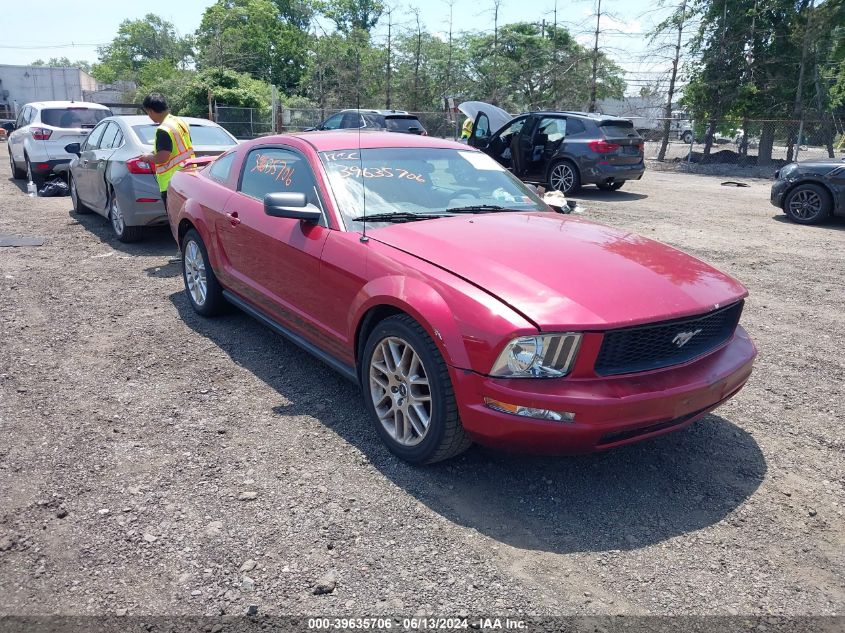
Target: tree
{"points": [[139, 42], [353, 15], [64, 62], [256, 37], [675, 24]]}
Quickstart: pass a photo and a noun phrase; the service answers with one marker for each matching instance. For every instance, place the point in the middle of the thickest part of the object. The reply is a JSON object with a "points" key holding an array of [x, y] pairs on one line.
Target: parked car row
{"points": [[102, 156]]}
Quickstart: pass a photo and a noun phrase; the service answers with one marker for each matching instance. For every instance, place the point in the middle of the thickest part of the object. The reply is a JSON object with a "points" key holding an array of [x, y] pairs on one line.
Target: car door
{"points": [[540, 143], [273, 262], [16, 138], [351, 121], [111, 140], [87, 163]]}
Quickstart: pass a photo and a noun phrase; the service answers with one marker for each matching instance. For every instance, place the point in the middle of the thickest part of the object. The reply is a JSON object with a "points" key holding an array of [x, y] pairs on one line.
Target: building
{"points": [[20, 85]]}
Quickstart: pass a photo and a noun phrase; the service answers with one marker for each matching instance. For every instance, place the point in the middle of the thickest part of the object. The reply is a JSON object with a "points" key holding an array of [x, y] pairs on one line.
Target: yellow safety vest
{"points": [[181, 149]]}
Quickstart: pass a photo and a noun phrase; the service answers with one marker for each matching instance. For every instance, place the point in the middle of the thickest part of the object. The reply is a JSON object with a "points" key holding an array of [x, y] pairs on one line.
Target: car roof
{"points": [[382, 112], [596, 116], [143, 119], [324, 141], [66, 104]]}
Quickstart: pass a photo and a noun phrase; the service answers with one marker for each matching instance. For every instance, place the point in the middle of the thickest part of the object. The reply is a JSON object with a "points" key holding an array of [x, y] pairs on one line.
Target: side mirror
{"points": [[73, 148], [291, 205], [9, 127]]}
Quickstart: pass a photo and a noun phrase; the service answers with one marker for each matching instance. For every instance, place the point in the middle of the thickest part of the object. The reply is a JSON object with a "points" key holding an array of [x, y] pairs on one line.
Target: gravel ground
{"points": [[154, 462]]}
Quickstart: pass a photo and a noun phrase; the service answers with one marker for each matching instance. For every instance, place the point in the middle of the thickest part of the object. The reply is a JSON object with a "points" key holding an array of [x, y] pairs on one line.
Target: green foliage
{"points": [[63, 62], [352, 15], [138, 43], [263, 38]]}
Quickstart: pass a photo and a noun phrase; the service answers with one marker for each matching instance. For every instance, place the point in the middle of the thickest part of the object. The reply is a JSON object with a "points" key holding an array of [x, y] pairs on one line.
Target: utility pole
{"points": [[798, 110], [682, 15], [496, 5], [389, 12], [592, 107]]}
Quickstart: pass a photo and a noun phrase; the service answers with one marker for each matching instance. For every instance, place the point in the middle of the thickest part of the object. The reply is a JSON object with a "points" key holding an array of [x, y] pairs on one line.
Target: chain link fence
{"points": [[244, 123], [752, 142], [439, 124]]}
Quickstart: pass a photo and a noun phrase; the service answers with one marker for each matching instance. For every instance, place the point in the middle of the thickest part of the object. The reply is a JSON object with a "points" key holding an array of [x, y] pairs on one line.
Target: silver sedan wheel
{"points": [[805, 204], [400, 391], [116, 215], [74, 196], [195, 273], [562, 177]]}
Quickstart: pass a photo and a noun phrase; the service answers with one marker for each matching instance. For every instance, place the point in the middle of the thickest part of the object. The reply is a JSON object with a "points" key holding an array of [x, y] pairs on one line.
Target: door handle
{"points": [[233, 218]]}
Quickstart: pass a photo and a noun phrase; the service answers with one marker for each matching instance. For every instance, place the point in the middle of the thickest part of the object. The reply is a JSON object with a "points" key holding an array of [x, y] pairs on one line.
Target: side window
{"points": [[221, 167], [351, 120], [482, 126], [551, 130], [574, 126], [107, 142], [22, 117], [271, 169], [93, 140], [333, 122], [30, 116], [513, 128]]}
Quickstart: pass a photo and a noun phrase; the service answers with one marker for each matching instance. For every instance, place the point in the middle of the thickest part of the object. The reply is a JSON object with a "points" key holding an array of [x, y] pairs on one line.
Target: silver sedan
{"points": [[108, 176]]}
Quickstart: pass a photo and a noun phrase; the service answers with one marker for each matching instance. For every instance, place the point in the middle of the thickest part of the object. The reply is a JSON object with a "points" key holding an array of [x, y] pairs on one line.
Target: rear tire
{"points": [[687, 138], [407, 389], [31, 176], [122, 232], [17, 173], [78, 206], [204, 291], [611, 186], [564, 177], [808, 204]]}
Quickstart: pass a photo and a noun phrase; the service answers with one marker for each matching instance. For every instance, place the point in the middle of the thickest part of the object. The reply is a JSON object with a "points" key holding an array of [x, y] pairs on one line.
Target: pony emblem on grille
{"points": [[682, 338]]}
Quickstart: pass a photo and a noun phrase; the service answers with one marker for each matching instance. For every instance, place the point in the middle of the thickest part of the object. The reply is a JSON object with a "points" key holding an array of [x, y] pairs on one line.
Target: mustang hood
{"points": [[563, 272]]}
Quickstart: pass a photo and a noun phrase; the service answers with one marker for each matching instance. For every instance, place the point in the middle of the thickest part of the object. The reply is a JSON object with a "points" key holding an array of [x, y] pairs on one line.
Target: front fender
{"points": [[422, 302]]}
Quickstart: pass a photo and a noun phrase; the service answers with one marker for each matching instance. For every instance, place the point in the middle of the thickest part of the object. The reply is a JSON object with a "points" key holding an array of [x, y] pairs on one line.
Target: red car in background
{"points": [[464, 306]]}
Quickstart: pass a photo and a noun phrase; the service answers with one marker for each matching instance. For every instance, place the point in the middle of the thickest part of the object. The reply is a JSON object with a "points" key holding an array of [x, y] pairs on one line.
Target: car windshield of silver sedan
{"points": [[402, 184]]}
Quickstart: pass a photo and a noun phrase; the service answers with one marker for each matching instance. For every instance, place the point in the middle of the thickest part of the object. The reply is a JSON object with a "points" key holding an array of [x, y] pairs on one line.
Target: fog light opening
{"points": [[529, 412]]}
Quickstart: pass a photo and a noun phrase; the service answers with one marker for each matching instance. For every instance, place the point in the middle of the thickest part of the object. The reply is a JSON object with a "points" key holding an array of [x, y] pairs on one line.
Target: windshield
{"points": [[200, 135], [422, 182]]}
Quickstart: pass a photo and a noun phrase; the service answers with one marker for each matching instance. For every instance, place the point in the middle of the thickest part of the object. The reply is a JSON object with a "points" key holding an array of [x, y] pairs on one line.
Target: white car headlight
{"points": [[541, 356]]}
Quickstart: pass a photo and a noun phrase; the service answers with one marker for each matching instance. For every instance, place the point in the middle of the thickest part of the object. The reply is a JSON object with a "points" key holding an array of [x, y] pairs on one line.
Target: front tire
{"points": [[122, 232], [204, 291], [808, 204], [687, 138], [78, 206], [616, 185], [17, 173], [564, 177], [408, 391]]}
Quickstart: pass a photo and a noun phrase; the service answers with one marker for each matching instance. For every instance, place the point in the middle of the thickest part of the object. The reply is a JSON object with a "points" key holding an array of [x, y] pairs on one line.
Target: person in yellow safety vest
{"points": [[466, 130], [172, 145]]}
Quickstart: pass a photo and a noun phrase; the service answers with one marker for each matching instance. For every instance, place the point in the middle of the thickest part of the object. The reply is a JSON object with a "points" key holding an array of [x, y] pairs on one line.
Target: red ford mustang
{"points": [[464, 306]]}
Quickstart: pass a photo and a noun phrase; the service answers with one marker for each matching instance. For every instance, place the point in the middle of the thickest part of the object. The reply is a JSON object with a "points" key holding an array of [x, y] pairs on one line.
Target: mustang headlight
{"points": [[542, 356]]}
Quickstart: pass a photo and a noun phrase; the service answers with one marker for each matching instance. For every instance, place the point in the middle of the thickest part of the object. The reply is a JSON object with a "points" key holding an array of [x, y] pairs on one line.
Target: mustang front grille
{"points": [[646, 347]]}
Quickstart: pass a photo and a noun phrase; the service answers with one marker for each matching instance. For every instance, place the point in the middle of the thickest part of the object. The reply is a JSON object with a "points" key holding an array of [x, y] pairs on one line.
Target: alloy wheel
{"points": [[805, 204], [400, 391], [195, 273], [117, 221], [562, 177], [74, 196]]}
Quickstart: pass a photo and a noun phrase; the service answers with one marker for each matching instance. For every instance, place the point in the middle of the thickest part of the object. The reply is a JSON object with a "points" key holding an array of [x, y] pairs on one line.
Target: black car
{"points": [[390, 120], [811, 191], [563, 150]]}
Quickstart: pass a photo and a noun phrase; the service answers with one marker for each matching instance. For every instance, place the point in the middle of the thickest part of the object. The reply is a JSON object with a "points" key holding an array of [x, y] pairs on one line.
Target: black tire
{"points": [[17, 172], [213, 303], [124, 233], [31, 176], [616, 185], [808, 203], [444, 436], [564, 177], [78, 206], [687, 138]]}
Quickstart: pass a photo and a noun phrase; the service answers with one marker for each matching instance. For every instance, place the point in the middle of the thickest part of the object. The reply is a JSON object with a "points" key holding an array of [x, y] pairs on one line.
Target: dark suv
{"points": [[390, 120], [563, 150]]}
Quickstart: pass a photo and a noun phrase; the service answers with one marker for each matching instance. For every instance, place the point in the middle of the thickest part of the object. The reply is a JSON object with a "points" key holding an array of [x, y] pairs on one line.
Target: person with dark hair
{"points": [[173, 144]]}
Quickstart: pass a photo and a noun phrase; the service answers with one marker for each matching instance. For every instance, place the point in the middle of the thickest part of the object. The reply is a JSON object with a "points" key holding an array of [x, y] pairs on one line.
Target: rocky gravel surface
{"points": [[155, 462]]}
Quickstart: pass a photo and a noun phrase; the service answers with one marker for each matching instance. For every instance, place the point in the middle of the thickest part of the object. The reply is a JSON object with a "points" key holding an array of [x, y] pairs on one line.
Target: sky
{"points": [[74, 28]]}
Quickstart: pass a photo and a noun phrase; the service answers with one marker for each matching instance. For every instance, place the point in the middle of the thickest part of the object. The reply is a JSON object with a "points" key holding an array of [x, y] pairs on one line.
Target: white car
{"points": [[41, 131]]}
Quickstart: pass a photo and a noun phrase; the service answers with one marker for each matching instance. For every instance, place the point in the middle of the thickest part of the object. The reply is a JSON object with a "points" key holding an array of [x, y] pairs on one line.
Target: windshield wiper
{"points": [[400, 216], [478, 208]]}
